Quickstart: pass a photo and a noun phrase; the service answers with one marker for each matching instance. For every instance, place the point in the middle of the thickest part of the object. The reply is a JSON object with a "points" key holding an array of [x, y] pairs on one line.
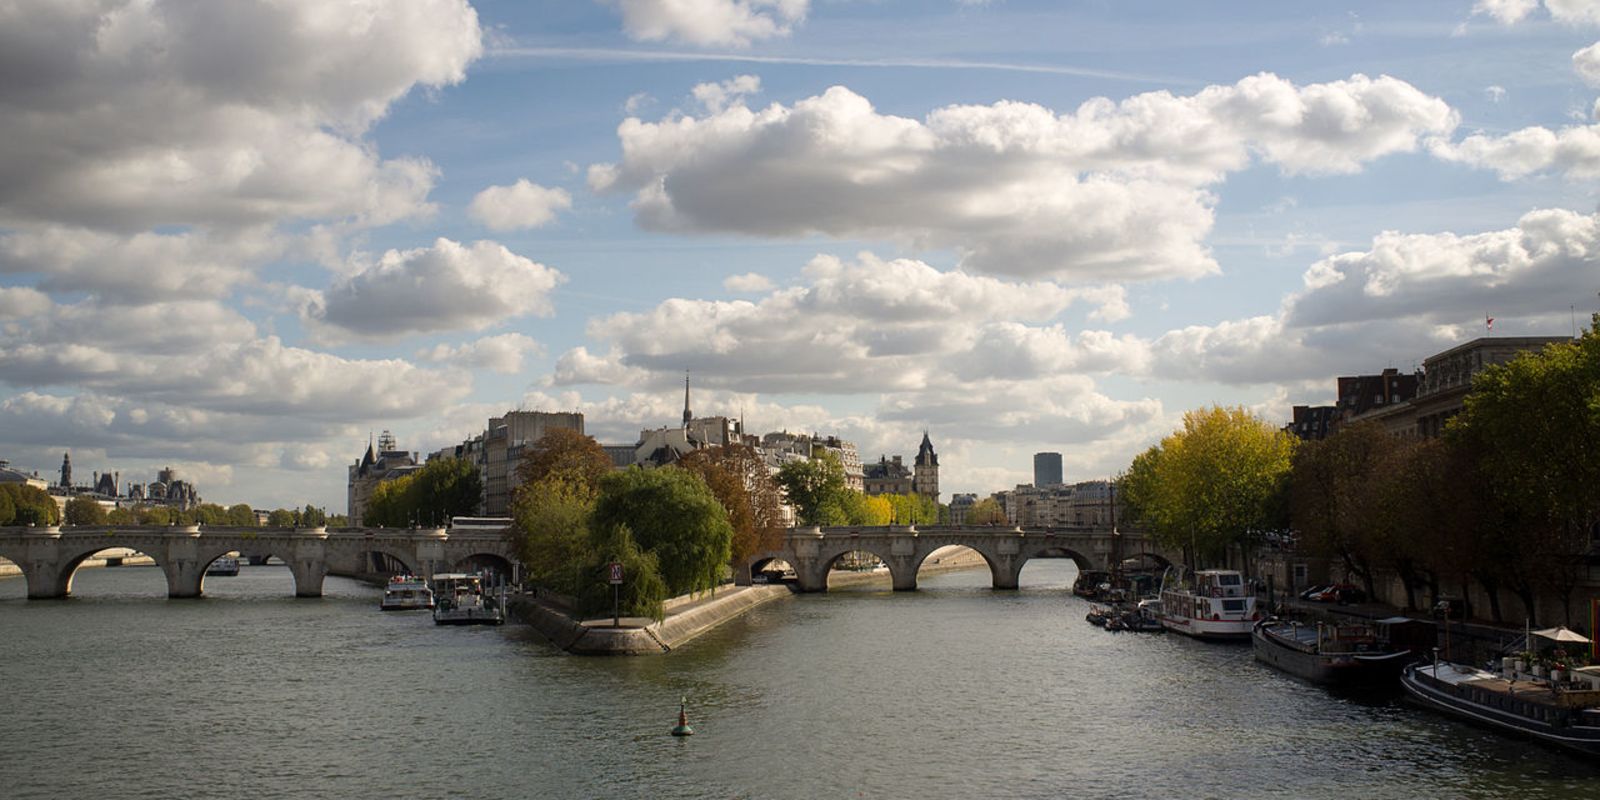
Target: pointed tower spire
{"points": [[686, 415]]}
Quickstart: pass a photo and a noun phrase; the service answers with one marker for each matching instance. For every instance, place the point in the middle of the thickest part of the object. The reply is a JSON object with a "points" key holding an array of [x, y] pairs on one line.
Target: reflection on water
{"points": [[952, 691]]}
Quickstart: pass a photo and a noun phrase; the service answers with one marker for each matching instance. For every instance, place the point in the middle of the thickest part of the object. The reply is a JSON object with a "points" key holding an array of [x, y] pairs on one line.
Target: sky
{"points": [[241, 238]]}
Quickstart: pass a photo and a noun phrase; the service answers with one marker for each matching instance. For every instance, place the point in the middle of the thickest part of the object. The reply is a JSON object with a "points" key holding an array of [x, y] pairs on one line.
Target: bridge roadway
{"points": [[48, 556], [813, 551]]}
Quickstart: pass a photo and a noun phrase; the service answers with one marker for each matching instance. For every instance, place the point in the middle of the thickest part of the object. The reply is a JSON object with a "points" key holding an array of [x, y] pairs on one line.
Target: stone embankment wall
{"points": [[596, 637]]}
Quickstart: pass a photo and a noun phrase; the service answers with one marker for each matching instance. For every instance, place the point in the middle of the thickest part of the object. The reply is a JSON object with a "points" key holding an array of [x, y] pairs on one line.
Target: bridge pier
{"points": [[43, 583], [308, 575]]}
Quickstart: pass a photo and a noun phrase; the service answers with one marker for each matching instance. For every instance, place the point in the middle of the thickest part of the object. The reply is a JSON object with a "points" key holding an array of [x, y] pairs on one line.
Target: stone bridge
{"points": [[48, 556], [813, 551]]}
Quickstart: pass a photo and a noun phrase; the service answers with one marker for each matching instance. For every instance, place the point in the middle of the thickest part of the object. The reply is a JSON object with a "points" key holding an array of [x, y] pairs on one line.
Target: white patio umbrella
{"points": [[1560, 633]]}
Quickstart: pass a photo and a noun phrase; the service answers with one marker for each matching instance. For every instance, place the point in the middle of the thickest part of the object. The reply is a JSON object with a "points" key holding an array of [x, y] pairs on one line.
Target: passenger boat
{"points": [[461, 599], [406, 593], [225, 565], [1209, 604], [1350, 655], [1558, 714]]}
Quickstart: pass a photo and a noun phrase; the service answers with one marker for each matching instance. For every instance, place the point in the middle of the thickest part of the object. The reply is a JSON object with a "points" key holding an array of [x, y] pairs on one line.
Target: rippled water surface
{"points": [[954, 691]]}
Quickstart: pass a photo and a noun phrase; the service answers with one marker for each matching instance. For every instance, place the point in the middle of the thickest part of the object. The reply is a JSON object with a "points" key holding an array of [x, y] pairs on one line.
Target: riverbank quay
{"points": [[686, 618]]}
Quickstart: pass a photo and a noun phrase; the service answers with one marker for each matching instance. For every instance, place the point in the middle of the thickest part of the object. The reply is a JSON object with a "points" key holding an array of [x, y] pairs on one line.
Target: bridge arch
{"points": [[385, 560], [491, 563], [989, 559], [900, 576], [744, 572], [59, 584]]}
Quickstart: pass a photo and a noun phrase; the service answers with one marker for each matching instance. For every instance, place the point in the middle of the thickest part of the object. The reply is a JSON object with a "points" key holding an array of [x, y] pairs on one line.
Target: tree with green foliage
{"points": [[240, 515], [553, 539], [1217, 482], [280, 518], [442, 489], [83, 510], [311, 517], [121, 516], [8, 509], [986, 512], [29, 505], [155, 515], [816, 488], [643, 590], [1535, 421], [209, 514], [673, 515]]}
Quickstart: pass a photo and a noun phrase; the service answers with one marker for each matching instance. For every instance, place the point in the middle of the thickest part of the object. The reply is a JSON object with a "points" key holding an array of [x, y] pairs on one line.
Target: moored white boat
{"points": [[406, 593], [461, 599], [224, 565], [1208, 604]]}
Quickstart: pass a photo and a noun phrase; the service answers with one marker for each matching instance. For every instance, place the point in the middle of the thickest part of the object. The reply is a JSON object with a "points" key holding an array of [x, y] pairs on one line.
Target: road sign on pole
{"points": [[616, 594]]}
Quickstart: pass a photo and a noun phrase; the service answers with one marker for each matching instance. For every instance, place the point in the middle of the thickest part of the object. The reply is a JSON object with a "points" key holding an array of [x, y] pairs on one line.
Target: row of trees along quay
{"points": [[30, 505], [1508, 499], [676, 529]]}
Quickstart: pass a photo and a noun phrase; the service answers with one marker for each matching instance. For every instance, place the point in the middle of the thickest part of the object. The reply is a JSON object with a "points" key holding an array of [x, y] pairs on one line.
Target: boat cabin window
{"points": [[1233, 605], [1228, 580]]}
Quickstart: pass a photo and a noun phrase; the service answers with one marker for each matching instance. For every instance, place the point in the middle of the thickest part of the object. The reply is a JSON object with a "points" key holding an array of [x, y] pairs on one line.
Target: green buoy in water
{"points": [[682, 728]]}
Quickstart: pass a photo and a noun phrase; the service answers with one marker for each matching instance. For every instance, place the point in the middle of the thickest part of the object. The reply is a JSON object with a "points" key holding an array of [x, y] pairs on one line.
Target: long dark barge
{"points": [[1349, 656], [1556, 714]]}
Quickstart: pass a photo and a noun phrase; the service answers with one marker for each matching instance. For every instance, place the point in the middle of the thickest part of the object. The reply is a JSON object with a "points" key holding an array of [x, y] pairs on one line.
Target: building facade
{"points": [[1047, 469], [385, 462]]}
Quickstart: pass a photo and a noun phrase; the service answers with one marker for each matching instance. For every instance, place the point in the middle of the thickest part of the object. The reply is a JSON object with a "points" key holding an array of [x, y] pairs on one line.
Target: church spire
{"points": [[686, 415]]}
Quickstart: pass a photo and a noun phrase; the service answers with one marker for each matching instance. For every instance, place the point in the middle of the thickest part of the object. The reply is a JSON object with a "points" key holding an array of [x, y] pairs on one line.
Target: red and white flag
{"points": [[1488, 322]]}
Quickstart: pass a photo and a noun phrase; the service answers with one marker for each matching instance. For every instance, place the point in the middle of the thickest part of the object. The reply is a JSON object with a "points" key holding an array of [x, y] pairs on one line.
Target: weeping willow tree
{"points": [[1217, 482]]}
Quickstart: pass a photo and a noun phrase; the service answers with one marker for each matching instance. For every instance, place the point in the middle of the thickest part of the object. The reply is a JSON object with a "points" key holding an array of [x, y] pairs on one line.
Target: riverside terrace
{"points": [[49, 556]]}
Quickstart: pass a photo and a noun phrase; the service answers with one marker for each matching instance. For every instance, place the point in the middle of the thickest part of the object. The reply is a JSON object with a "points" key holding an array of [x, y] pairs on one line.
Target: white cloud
{"points": [[503, 354], [448, 286], [1570, 12], [748, 282], [136, 114], [862, 327], [1572, 152], [1586, 63], [140, 267], [21, 301], [716, 96], [710, 22], [520, 205], [1506, 12], [1495, 93], [1404, 298], [1112, 191]]}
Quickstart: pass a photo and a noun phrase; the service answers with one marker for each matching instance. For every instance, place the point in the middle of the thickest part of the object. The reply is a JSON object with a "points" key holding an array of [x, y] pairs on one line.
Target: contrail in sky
{"points": [[646, 56]]}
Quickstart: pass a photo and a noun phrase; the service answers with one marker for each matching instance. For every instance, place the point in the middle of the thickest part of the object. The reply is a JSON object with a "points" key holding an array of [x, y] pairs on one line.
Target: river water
{"points": [[954, 691]]}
